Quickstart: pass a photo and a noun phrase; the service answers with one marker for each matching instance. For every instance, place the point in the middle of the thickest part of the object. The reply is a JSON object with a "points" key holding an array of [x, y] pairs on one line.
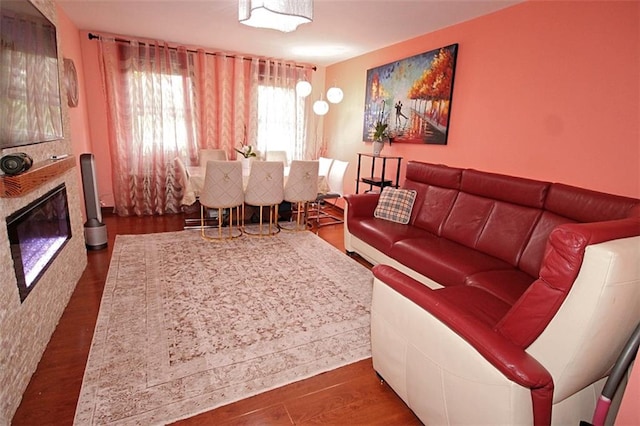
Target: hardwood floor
{"points": [[348, 395]]}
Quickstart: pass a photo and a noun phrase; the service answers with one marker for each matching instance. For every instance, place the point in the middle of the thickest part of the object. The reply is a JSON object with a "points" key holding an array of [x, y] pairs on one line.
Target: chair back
{"points": [[206, 155], [277, 156], [265, 184], [336, 176], [181, 172], [302, 182], [324, 166], [222, 186]]}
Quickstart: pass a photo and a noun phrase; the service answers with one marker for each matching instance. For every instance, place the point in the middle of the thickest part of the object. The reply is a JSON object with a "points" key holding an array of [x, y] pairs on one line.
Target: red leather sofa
{"points": [[504, 300]]}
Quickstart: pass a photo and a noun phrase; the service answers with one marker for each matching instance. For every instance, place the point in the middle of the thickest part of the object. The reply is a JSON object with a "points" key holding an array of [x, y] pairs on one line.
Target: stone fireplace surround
{"points": [[25, 328]]}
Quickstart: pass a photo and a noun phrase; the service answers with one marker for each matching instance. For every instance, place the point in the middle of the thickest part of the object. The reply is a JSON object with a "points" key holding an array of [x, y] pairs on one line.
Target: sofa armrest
{"points": [[561, 264], [361, 205], [512, 361]]}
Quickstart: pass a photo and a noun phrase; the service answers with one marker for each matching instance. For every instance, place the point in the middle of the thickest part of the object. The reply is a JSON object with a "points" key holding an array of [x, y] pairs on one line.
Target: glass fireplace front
{"points": [[37, 233]]}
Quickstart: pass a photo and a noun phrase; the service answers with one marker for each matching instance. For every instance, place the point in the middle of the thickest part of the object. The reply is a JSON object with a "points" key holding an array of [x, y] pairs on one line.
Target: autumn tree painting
{"points": [[413, 96]]}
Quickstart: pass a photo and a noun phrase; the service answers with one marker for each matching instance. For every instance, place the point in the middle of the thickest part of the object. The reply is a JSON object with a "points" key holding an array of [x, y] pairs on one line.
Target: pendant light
{"points": [[303, 88], [320, 107], [335, 95]]}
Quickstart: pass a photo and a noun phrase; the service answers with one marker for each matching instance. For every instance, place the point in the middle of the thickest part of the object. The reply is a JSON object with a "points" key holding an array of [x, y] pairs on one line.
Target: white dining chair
{"points": [[324, 166], [265, 189], [277, 156], [206, 154], [222, 190], [336, 190], [300, 189]]}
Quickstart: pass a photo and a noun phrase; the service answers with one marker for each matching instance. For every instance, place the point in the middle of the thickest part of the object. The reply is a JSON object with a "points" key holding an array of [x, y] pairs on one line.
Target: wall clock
{"points": [[71, 81]]}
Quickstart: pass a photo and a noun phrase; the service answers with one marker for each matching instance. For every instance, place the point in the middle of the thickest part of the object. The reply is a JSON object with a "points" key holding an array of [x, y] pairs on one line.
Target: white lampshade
{"points": [[320, 107], [335, 95], [303, 88], [281, 15]]}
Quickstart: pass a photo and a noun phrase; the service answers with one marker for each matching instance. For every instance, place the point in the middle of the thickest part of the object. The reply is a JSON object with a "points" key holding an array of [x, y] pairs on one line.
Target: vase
{"points": [[246, 165], [377, 147]]}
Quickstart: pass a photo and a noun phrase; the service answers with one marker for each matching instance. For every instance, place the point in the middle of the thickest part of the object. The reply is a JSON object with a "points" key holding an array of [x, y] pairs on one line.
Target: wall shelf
{"points": [[39, 174]]}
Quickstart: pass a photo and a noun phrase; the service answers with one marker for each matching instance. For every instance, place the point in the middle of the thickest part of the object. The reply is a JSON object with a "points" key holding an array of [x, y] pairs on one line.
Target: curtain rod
{"points": [[92, 36]]}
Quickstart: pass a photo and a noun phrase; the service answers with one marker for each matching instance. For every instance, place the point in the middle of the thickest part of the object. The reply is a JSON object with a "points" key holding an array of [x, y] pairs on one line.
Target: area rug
{"points": [[187, 325]]}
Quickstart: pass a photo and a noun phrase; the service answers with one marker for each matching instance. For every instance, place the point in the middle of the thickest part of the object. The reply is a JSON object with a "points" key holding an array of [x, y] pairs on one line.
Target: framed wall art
{"points": [[413, 97]]}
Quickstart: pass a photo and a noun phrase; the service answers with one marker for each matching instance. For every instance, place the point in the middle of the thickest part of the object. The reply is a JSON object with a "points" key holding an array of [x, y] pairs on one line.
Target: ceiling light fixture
{"points": [[281, 15], [320, 107], [335, 95], [303, 88]]}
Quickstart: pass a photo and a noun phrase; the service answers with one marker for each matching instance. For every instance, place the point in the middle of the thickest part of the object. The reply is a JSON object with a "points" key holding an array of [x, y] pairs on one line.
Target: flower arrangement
{"points": [[380, 129], [246, 150]]}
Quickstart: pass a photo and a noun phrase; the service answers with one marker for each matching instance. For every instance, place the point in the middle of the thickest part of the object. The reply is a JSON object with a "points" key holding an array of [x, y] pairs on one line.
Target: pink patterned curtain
{"points": [[165, 103], [149, 124], [224, 99]]}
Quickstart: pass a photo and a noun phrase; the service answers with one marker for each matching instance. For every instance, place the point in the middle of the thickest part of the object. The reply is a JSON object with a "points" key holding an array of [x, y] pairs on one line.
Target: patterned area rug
{"points": [[186, 325]]}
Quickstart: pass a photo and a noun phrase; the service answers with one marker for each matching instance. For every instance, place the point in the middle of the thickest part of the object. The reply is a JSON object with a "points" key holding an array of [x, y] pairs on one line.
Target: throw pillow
{"points": [[395, 204]]}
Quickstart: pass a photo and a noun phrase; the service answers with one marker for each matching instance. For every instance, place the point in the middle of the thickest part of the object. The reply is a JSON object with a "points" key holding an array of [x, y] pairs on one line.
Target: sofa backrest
{"points": [[437, 187], [507, 217], [583, 205], [495, 214]]}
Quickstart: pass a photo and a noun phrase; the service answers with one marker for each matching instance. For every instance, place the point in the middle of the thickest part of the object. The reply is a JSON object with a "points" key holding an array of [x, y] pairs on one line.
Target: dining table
{"points": [[195, 182]]}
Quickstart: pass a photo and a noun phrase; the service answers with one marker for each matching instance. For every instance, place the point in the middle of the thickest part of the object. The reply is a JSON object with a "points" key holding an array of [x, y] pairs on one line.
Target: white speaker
{"points": [[95, 232]]}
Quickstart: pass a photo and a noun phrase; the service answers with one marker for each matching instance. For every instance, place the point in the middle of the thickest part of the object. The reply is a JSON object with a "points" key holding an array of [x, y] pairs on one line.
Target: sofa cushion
{"points": [[583, 205], [467, 219], [432, 205], [506, 285], [476, 303], [382, 234], [395, 205], [507, 230], [533, 253], [444, 261], [434, 174], [516, 190]]}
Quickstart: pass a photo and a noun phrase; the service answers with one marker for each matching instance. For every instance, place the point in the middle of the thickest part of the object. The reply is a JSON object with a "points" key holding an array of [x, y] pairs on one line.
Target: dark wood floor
{"points": [[348, 395]]}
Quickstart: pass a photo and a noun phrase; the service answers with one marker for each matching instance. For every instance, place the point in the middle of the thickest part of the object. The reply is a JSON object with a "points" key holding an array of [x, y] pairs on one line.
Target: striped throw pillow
{"points": [[395, 204]]}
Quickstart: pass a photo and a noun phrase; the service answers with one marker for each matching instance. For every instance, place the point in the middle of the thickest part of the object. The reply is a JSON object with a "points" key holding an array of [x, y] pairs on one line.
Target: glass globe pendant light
{"points": [[303, 88], [335, 95], [320, 107]]}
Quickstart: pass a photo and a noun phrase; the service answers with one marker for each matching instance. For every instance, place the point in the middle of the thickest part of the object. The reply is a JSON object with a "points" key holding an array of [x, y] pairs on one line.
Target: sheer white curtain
{"points": [[281, 113]]}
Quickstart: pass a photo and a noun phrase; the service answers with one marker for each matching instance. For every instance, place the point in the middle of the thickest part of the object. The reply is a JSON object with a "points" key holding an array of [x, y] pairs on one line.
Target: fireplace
{"points": [[37, 233]]}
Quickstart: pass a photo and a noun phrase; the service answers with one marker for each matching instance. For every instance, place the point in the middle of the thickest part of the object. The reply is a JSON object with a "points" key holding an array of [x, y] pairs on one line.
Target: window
{"points": [[160, 121], [280, 121]]}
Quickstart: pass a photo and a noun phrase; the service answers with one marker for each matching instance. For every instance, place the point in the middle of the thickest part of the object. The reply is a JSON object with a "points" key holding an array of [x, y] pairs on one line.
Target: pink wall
{"points": [[96, 102], [78, 116], [547, 90]]}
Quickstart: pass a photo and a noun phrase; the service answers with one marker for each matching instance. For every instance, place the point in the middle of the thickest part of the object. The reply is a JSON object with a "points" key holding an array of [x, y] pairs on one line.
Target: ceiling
{"points": [[341, 29]]}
